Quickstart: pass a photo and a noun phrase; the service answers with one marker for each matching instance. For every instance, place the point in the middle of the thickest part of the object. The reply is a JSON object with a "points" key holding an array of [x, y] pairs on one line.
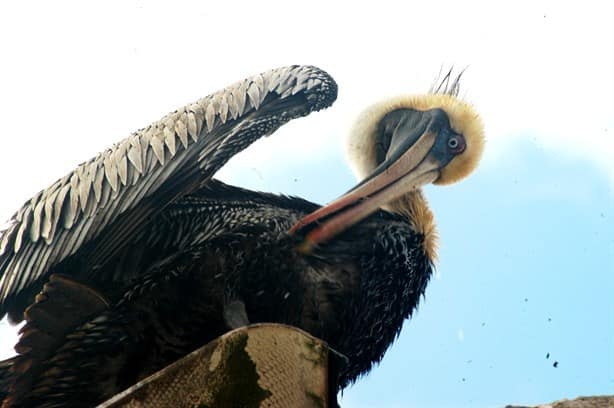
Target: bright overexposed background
{"points": [[527, 256]]}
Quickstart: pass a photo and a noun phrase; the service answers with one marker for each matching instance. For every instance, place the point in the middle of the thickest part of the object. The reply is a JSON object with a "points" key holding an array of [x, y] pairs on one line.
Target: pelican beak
{"points": [[421, 145]]}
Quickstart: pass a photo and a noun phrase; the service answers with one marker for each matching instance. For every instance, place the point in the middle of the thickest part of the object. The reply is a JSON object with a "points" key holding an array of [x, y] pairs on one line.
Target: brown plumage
{"points": [[107, 200], [221, 257]]}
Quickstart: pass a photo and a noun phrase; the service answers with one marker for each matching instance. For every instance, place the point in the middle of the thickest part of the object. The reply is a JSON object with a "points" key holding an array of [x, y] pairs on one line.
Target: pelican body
{"points": [[220, 257]]}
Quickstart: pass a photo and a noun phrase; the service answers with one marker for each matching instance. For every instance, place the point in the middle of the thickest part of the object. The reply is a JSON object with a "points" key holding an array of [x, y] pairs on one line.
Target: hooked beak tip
{"points": [[306, 246]]}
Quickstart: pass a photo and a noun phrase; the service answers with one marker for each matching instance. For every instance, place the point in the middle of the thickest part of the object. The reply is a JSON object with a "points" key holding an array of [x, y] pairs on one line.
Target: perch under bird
{"points": [[144, 257]]}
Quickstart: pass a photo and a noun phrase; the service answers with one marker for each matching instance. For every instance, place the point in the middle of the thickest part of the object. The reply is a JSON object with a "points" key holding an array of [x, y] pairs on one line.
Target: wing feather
{"points": [[108, 199]]}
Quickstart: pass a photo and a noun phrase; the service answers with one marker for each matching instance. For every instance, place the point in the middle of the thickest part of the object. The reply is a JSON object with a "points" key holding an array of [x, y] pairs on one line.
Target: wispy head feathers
{"points": [[447, 84]]}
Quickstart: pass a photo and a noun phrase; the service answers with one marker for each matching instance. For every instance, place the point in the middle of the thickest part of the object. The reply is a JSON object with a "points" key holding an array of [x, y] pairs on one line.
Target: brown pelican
{"points": [[213, 257]]}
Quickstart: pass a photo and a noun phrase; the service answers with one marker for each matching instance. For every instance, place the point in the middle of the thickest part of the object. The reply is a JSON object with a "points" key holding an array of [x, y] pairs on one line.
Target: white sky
{"points": [[75, 78]]}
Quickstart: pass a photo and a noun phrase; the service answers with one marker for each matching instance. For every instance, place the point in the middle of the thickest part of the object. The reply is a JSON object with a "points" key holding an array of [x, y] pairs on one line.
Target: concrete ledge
{"points": [[580, 402], [263, 365]]}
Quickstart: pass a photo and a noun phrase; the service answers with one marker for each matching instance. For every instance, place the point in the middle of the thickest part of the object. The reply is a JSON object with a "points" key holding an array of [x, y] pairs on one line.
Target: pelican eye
{"points": [[456, 144]]}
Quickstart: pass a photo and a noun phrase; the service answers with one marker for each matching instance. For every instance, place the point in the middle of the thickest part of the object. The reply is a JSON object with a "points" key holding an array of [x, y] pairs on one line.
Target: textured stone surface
{"points": [[580, 402], [265, 365]]}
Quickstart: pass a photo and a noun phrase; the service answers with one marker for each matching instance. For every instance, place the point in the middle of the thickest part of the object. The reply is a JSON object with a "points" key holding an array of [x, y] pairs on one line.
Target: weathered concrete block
{"points": [[263, 365]]}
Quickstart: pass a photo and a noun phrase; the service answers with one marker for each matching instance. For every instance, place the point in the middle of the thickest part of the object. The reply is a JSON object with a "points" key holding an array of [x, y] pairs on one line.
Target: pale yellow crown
{"points": [[463, 119]]}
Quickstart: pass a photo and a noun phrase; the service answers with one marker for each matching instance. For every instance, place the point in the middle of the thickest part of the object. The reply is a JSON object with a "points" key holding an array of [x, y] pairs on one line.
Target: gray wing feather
{"points": [[109, 197]]}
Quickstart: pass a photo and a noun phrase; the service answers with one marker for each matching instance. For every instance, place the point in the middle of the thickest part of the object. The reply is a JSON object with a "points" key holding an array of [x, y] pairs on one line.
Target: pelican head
{"points": [[439, 128], [397, 146]]}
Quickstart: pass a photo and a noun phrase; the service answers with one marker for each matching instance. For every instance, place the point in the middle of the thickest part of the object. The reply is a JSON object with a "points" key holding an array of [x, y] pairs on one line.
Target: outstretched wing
{"points": [[108, 198]]}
